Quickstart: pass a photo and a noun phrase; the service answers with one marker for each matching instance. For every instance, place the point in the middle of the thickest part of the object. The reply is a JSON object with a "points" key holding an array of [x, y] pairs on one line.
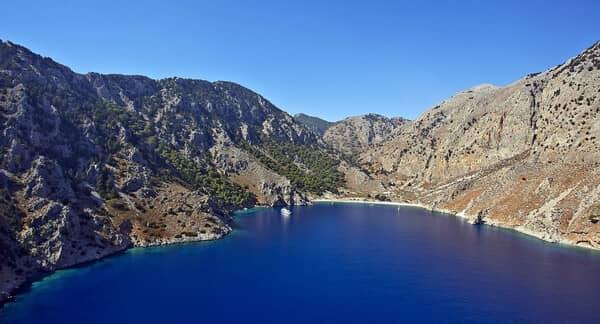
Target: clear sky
{"points": [[325, 58]]}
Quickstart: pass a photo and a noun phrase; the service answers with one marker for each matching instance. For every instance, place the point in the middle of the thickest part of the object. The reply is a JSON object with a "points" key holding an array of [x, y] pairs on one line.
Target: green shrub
{"points": [[308, 168], [205, 177]]}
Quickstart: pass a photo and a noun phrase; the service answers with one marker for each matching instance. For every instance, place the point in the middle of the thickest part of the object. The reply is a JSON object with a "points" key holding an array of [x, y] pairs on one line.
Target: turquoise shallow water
{"points": [[329, 263]]}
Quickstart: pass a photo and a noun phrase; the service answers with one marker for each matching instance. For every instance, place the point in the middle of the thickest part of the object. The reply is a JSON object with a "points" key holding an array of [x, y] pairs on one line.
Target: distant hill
{"points": [[352, 134], [315, 124], [356, 134]]}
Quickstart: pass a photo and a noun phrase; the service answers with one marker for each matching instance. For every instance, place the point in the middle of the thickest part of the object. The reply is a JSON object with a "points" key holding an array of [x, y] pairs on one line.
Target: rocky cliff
{"points": [[92, 164], [524, 156]]}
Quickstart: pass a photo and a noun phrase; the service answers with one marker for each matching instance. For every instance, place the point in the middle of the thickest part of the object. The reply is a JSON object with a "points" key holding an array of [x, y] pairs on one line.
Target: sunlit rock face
{"points": [[524, 156]]}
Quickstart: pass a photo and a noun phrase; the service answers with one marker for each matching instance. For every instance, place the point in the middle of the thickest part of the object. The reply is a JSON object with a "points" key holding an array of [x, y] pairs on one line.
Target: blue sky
{"points": [[326, 58]]}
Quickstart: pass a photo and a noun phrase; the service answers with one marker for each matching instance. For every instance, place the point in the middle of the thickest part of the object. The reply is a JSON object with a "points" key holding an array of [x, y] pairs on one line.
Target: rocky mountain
{"points": [[92, 164], [358, 133], [315, 124], [524, 156], [353, 134]]}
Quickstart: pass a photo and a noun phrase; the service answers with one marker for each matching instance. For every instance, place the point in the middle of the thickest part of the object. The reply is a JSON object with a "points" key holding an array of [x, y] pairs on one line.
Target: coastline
{"points": [[26, 285], [21, 287], [367, 201], [18, 287], [539, 236]]}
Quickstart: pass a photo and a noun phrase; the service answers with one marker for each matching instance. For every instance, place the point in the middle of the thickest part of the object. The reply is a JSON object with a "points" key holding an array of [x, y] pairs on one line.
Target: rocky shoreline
{"points": [[472, 219], [23, 285], [17, 285]]}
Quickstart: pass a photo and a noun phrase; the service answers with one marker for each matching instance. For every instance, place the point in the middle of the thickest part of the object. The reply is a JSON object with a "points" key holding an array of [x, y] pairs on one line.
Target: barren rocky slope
{"points": [[353, 134], [524, 156], [356, 134], [93, 164]]}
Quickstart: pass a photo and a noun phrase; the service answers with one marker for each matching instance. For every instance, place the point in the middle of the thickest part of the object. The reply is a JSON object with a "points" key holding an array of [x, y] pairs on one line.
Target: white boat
{"points": [[285, 212]]}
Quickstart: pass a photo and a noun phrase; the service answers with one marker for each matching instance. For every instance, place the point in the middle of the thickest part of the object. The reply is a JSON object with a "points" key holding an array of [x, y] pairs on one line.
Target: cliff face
{"points": [[525, 156], [356, 134], [93, 164]]}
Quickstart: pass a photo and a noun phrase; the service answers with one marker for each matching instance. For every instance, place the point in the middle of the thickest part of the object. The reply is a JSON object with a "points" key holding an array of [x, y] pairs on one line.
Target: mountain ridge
{"points": [[354, 133], [522, 156], [92, 164], [316, 124]]}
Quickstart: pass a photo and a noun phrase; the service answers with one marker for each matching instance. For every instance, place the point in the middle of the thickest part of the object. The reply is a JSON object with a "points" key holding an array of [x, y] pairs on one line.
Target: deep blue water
{"points": [[329, 263]]}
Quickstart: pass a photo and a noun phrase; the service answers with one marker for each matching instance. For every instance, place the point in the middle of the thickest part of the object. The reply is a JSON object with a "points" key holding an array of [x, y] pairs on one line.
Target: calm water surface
{"points": [[329, 263]]}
